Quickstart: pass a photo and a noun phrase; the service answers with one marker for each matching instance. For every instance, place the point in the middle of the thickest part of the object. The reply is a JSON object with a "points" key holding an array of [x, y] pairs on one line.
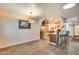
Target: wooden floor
{"points": [[41, 47], [37, 47]]}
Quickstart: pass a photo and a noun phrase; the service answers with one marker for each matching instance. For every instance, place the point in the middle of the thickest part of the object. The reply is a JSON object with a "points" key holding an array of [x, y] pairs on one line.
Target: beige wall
{"points": [[10, 34]]}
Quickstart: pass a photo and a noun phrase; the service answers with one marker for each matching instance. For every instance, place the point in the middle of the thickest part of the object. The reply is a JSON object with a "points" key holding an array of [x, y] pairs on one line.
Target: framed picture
{"points": [[24, 24]]}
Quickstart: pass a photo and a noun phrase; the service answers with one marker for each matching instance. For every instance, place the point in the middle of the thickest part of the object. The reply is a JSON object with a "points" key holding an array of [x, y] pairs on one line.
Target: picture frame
{"points": [[24, 24]]}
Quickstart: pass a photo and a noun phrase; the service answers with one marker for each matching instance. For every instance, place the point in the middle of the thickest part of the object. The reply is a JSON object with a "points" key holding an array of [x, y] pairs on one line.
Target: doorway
{"points": [[44, 29]]}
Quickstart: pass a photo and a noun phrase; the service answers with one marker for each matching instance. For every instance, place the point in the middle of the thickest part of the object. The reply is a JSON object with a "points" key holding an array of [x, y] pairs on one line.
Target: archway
{"points": [[50, 25], [43, 29]]}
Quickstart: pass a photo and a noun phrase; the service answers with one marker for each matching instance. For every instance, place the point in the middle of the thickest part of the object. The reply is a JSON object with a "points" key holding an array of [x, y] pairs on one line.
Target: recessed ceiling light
{"points": [[68, 6]]}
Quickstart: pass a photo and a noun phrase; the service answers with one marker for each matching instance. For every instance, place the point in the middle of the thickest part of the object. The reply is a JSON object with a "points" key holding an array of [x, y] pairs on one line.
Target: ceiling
{"points": [[41, 9]]}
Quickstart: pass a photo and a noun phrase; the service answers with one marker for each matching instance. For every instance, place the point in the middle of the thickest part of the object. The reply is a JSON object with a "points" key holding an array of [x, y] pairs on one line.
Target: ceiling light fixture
{"points": [[68, 6]]}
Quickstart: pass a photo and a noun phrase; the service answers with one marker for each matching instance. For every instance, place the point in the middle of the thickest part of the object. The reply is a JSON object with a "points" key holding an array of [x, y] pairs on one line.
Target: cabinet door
{"points": [[53, 38]]}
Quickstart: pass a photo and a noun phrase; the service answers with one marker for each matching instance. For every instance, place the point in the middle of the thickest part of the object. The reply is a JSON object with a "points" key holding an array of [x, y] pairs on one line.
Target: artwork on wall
{"points": [[24, 24]]}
